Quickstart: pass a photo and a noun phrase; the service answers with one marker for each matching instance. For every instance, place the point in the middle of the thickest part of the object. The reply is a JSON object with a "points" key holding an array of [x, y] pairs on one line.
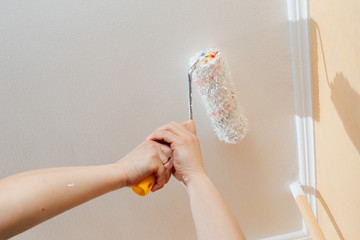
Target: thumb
{"points": [[189, 125]]}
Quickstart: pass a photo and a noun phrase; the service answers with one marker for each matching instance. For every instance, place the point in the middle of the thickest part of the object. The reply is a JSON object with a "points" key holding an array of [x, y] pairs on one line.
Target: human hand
{"points": [[187, 159], [150, 157]]}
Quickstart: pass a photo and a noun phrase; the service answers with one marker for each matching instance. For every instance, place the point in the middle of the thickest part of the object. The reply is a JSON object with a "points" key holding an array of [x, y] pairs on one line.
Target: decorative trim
{"points": [[300, 42], [300, 50]]}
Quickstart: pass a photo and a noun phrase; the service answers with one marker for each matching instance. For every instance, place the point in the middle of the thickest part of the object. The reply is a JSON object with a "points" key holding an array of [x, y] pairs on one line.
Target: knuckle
{"points": [[166, 128]]}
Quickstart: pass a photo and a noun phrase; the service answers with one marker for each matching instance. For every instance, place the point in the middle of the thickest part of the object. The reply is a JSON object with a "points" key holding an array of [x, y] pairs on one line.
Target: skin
{"points": [[32, 197], [219, 223]]}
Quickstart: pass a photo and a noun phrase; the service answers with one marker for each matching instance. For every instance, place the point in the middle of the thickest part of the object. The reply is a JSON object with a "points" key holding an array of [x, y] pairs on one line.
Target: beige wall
{"points": [[335, 27], [83, 82]]}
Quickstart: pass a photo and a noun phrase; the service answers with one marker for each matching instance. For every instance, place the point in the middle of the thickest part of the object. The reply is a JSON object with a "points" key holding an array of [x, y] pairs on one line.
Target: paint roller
{"points": [[210, 73]]}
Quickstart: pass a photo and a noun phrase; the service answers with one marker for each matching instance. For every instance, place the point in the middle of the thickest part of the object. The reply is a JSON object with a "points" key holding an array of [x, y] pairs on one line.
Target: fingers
{"points": [[164, 133], [170, 132], [173, 134], [166, 150], [165, 168], [160, 178], [163, 175], [190, 125], [169, 167]]}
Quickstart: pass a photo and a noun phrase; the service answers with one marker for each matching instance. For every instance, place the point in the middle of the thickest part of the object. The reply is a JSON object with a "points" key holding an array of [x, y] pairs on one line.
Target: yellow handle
{"points": [[145, 186]]}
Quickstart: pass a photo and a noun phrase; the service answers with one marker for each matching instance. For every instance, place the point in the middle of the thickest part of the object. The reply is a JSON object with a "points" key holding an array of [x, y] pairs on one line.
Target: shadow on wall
{"points": [[347, 104], [345, 99], [315, 68]]}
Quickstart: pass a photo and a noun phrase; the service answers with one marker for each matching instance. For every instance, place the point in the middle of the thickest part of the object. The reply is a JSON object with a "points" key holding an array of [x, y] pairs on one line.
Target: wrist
{"points": [[194, 178], [119, 178]]}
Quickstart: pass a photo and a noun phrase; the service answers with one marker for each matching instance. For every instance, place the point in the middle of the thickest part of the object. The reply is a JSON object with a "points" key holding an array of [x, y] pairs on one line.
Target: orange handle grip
{"points": [[145, 186]]}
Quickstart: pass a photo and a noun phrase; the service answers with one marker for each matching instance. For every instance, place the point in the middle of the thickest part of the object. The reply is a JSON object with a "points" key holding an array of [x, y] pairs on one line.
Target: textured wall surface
{"points": [[84, 82], [335, 32]]}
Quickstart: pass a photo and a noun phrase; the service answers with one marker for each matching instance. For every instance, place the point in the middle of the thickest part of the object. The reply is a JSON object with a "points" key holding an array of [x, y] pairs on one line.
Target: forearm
{"points": [[30, 198], [213, 218]]}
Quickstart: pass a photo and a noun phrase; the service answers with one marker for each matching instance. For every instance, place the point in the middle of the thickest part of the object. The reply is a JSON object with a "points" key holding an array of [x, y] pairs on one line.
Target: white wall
{"points": [[83, 82]]}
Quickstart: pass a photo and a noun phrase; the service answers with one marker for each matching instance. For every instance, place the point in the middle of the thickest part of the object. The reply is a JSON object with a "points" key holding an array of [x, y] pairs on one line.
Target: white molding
{"points": [[300, 50], [299, 25]]}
